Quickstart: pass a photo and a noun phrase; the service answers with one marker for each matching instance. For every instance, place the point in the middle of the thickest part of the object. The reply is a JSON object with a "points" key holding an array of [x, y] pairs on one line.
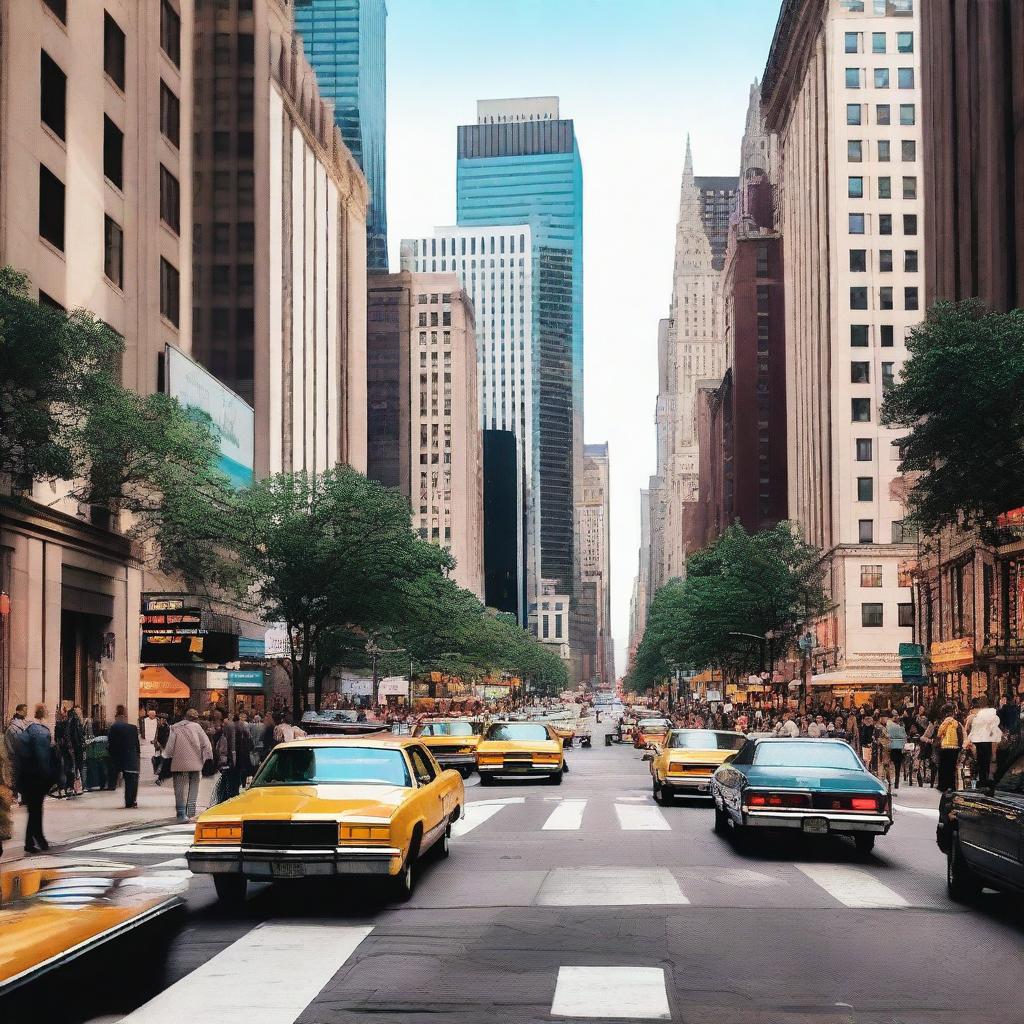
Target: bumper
{"points": [[842, 824], [519, 769], [697, 785], [455, 760], [270, 864]]}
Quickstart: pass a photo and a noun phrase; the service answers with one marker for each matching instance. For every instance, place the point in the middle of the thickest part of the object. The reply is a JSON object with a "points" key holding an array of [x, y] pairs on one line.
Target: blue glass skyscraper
{"points": [[345, 41], [520, 164]]}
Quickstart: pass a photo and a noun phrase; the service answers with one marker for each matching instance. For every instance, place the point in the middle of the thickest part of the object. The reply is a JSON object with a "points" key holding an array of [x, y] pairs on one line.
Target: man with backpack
{"points": [[949, 740]]}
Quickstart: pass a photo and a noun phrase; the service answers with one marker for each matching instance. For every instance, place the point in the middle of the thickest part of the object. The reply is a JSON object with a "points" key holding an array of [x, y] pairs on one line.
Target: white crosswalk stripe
{"points": [[479, 811], [641, 818], [610, 887], [853, 887], [636, 993], [566, 817], [272, 973]]}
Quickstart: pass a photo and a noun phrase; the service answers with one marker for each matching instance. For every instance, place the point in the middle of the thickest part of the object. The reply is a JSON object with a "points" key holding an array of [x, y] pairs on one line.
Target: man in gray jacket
{"points": [[188, 749]]}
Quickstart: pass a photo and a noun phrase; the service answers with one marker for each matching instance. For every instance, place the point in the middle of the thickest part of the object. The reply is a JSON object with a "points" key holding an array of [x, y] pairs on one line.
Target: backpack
{"points": [[949, 734]]}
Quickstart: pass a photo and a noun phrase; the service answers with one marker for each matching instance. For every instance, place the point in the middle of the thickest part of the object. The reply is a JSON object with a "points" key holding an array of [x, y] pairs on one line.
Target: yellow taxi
{"points": [[683, 763], [531, 749], [452, 741], [649, 731], [357, 805]]}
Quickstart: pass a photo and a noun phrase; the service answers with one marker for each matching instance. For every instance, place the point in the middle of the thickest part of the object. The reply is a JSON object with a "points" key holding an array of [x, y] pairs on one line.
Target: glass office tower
{"points": [[345, 41], [520, 164]]}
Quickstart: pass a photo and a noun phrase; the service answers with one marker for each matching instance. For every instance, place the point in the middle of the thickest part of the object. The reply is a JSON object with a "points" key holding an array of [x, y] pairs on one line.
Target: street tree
{"points": [[960, 397]]}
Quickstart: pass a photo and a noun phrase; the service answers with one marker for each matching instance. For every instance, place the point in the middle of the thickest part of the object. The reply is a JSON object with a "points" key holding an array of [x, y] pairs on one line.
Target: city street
{"points": [[585, 902]]}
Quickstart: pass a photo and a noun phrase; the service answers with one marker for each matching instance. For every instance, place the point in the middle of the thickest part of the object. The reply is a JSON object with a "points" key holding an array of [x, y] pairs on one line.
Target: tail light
{"points": [[774, 800], [866, 803]]}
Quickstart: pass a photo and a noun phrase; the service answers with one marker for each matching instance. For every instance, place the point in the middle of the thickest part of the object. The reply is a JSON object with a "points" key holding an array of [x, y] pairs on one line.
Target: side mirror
{"points": [[648, 757], [424, 779]]}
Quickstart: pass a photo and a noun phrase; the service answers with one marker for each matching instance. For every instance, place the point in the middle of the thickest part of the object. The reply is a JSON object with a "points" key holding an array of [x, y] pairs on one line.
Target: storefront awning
{"points": [[156, 683], [864, 678]]}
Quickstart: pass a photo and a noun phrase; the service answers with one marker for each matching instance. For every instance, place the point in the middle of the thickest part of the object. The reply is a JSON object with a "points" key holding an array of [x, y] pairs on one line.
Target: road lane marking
{"points": [[637, 993], [479, 811], [170, 839], [610, 887], [566, 817], [928, 812], [852, 886], [641, 818], [270, 975]]}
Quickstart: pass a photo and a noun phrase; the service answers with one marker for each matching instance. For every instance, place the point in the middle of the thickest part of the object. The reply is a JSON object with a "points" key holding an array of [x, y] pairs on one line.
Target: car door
{"points": [[427, 780], [1008, 838]]}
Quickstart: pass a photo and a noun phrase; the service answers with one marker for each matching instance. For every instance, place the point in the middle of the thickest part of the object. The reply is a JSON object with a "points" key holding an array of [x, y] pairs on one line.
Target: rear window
{"points": [[806, 754], [705, 739], [654, 724], [447, 729], [515, 731], [307, 766]]}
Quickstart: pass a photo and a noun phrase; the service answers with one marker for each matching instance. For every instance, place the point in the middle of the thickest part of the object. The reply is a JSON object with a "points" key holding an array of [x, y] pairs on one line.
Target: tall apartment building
{"points": [[717, 201], [640, 599], [593, 521], [346, 42], [842, 90], [423, 382], [495, 265], [95, 207], [280, 241], [520, 164]]}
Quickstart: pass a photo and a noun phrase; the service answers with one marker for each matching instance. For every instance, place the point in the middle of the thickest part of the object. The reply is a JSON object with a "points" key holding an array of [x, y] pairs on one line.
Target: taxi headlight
{"points": [[220, 832], [364, 834]]}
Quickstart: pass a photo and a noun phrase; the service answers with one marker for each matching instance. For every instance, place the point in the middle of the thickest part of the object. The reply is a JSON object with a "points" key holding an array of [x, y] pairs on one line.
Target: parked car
{"points": [[981, 831], [816, 786]]}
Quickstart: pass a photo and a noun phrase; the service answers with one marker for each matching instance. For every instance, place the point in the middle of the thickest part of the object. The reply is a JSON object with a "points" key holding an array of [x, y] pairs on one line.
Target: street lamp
{"points": [[762, 639]]}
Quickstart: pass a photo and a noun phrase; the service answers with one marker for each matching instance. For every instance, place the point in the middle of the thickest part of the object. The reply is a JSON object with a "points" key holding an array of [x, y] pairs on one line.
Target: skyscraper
{"points": [[594, 521], [346, 42]]}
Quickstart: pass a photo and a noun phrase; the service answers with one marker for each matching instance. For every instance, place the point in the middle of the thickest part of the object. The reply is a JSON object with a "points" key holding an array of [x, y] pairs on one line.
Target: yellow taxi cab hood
{"points": [[310, 803]]}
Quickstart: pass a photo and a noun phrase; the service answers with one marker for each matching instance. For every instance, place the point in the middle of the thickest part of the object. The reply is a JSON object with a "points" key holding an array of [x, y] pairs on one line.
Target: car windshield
{"points": [[446, 729], [305, 766], [515, 731], [653, 724], [806, 754], [706, 739]]}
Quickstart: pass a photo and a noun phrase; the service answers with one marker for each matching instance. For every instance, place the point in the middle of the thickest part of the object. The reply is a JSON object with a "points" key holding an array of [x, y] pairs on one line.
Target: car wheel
{"points": [[441, 849], [864, 841], [231, 889], [661, 795], [721, 821], [962, 883], [556, 779], [402, 883], [465, 772], [486, 779]]}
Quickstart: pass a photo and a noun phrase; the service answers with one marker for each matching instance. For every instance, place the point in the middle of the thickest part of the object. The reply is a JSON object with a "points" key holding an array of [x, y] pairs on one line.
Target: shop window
{"points": [[871, 614]]}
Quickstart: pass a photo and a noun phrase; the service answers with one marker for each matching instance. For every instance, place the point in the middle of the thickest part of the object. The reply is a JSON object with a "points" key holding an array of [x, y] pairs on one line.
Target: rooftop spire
{"points": [[688, 161]]}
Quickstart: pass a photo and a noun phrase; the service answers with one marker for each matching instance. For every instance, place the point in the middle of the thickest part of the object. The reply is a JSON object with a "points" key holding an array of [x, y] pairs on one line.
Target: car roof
{"points": [[721, 732], [799, 739], [378, 740]]}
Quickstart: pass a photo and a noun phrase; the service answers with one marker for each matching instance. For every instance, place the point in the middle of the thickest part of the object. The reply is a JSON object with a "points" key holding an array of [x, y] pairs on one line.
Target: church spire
{"points": [[688, 161]]}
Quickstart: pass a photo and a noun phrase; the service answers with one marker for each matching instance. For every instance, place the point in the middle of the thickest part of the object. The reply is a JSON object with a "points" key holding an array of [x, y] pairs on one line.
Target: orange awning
{"points": [[157, 683]]}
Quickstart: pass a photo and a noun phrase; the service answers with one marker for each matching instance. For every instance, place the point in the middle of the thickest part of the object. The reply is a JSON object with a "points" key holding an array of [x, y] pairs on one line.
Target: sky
{"points": [[636, 76]]}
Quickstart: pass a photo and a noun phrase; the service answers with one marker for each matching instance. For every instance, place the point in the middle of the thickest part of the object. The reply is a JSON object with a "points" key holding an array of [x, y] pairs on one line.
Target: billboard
{"points": [[233, 419]]}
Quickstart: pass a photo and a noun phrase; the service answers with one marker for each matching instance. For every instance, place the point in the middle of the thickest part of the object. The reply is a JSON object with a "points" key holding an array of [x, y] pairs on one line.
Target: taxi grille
{"points": [[289, 834]]}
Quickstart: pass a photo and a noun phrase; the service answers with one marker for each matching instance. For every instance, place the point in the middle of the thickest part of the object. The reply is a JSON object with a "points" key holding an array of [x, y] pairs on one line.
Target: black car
{"points": [[981, 831]]}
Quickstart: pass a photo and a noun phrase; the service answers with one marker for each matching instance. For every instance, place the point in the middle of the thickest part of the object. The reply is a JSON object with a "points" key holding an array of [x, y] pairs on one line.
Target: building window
{"points": [[860, 373], [858, 260], [853, 78], [51, 208], [113, 252], [885, 188], [902, 534], [883, 151], [854, 151], [245, 146], [905, 613], [910, 298], [885, 297], [910, 261], [904, 42], [246, 49], [905, 78], [909, 186], [910, 224], [170, 115], [878, 42], [761, 269], [866, 531], [885, 223], [853, 113], [856, 223], [885, 260], [907, 113], [908, 150], [888, 375], [871, 614], [861, 410], [170, 32], [870, 575], [170, 200], [851, 41], [858, 298], [865, 447], [59, 8], [882, 113], [113, 152], [859, 335], [855, 187], [52, 94], [169, 291], [881, 78], [865, 488], [885, 335], [113, 51]]}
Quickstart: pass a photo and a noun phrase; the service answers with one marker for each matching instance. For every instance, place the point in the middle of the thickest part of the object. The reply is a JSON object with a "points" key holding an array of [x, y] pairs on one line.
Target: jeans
{"points": [[948, 757], [185, 782], [896, 757]]}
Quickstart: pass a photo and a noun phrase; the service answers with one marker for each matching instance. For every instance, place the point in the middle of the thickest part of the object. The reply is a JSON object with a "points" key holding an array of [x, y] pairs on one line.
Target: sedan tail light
{"points": [[772, 800], [867, 803]]}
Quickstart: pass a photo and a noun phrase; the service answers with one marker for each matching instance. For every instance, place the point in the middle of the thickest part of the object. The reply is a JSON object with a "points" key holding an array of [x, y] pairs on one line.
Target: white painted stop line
{"points": [[852, 887], [270, 975], [637, 993], [641, 818], [566, 817]]}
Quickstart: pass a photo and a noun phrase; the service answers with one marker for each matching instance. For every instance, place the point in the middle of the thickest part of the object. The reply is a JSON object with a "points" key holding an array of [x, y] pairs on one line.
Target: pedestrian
{"points": [[984, 736], [191, 754], [839, 729], [787, 727], [270, 723], [817, 728], [17, 725], [1009, 713], [286, 731], [38, 768], [126, 754], [867, 739], [6, 796], [230, 779], [163, 732], [950, 737], [245, 762], [897, 742]]}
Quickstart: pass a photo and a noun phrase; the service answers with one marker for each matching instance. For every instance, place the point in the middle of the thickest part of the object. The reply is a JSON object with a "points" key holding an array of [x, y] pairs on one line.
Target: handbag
{"points": [[209, 768]]}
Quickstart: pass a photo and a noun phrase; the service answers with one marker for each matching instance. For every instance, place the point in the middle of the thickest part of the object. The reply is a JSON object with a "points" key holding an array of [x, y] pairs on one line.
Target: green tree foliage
{"points": [[766, 585], [960, 396]]}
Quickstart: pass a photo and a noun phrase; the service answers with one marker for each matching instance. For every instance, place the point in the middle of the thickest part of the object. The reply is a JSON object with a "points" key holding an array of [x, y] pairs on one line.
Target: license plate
{"points": [[816, 825], [286, 869]]}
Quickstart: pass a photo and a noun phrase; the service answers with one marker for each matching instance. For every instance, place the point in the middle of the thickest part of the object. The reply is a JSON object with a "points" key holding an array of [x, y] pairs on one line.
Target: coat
{"points": [[985, 727], [37, 765], [188, 747], [123, 746]]}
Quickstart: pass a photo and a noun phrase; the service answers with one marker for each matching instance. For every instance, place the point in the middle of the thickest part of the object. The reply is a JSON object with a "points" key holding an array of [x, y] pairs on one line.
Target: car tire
{"points": [[465, 772], [865, 842], [441, 850], [661, 796], [231, 889], [962, 883], [404, 882], [486, 779], [556, 779], [721, 821]]}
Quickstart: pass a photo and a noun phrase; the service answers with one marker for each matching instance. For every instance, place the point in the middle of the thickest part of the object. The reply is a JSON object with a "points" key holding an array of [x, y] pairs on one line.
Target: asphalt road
{"points": [[586, 902]]}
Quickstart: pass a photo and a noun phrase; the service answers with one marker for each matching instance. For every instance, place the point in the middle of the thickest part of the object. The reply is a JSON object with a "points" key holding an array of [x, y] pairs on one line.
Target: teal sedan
{"points": [[816, 786]]}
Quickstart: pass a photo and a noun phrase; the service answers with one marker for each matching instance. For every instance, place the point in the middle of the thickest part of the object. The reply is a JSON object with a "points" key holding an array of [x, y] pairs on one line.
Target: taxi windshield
{"points": [[705, 739], [310, 766], [806, 754], [446, 729], [653, 725], [514, 731]]}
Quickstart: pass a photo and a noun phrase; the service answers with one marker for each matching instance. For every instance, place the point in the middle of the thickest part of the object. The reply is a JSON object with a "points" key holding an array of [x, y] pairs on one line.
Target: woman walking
{"points": [[984, 736], [950, 739], [188, 749]]}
